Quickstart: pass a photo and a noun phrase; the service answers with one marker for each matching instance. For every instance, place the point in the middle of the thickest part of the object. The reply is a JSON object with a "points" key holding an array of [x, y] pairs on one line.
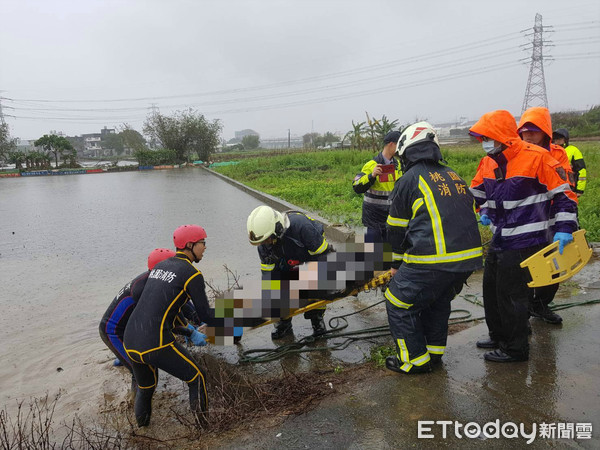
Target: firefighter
{"points": [[518, 187], [149, 336], [376, 181], [535, 127], [436, 245], [561, 137], [284, 242]]}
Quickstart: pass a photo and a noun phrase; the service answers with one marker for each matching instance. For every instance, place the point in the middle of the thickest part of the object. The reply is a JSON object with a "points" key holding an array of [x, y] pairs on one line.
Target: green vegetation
{"points": [[378, 354], [579, 125], [158, 157], [321, 181]]}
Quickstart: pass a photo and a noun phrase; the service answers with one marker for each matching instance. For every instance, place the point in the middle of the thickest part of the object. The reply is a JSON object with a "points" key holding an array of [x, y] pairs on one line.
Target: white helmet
{"points": [[265, 222], [418, 132]]}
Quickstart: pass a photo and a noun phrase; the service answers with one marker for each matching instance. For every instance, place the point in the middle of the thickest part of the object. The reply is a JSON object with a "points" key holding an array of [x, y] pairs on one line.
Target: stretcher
{"points": [[548, 266], [380, 280]]}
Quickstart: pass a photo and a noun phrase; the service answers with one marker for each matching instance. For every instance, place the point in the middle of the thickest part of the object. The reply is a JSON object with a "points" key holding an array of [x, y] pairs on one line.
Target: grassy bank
{"points": [[322, 181]]}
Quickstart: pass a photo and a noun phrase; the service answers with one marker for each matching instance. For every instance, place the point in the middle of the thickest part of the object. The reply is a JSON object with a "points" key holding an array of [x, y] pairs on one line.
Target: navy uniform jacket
{"points": [[432, 223], [303, 241]]}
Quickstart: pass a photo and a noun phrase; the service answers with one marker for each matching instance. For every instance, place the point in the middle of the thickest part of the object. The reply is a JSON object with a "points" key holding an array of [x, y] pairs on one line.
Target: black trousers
{"points": [[541, 297], [506, 300], [173, 359], [418, 309]]}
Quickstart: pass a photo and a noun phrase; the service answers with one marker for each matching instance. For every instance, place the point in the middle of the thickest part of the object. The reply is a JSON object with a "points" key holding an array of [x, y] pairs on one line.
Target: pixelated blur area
{"points": [[271, 297]]}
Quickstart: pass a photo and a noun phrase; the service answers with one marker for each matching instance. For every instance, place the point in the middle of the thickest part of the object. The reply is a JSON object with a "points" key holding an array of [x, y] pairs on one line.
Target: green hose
{"points": [[338, 323]]}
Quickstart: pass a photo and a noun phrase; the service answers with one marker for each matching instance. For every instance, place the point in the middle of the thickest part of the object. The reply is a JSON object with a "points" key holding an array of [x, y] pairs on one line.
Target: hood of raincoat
{"points": [[538, 116], [498, 125]]}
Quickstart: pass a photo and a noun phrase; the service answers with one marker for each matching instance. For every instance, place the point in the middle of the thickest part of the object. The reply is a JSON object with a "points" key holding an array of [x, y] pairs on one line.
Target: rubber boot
{"points": [[132, 392], [143, 406], [318, 325], [392, 363], [282, 328], [199, 402]]}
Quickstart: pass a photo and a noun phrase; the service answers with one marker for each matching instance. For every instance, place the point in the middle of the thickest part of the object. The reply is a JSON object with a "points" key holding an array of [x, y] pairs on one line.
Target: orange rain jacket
{"points": [[521, 189], [540, 117]]}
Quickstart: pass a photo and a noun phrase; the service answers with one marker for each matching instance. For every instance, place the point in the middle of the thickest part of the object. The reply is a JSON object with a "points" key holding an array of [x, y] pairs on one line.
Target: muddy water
{"points": [[69, 243]]}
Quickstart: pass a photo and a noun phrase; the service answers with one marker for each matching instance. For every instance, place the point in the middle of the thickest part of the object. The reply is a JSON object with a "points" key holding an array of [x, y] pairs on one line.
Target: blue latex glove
{"points": [[198, 338], [563, 239], [237, 334], [117, 362], [485, 220]]}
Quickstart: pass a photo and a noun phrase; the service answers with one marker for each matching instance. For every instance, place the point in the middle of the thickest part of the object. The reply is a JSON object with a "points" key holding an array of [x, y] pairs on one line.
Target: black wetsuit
{"points": [[114, 321], [112, 325], [149, 339]]}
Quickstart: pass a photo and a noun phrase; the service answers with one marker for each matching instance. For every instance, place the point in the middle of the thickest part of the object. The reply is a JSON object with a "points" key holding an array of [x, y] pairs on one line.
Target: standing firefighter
{"points": [[561, 137], [535, 127], [436, 246], [376, 181], [284, 242], [518, 187]]}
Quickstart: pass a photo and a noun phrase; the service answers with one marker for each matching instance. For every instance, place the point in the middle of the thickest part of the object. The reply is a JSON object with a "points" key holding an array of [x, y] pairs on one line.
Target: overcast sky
{"points": [[272, 65]]}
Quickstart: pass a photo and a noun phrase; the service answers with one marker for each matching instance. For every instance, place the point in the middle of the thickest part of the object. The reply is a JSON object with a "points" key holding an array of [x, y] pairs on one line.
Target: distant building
{"points": [[92, 143], [239, 135], [25, 145]]}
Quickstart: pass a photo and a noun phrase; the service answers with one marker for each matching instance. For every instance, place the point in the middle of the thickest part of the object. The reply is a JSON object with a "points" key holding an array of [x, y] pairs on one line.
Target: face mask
{"points": [[488, 147]]}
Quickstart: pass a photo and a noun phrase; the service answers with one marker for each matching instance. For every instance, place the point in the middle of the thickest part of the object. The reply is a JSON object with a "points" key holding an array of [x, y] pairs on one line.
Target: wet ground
{"points": [[68, 244], [560, 386]]}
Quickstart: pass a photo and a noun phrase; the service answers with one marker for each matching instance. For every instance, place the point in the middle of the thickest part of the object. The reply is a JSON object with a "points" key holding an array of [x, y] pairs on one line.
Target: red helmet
{"points": [[188, 233], [157, 255]]}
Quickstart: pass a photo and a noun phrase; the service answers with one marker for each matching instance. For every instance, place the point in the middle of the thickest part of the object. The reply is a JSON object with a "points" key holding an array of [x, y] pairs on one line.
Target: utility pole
{"points": [[535, 93], [2, 121], [289, 139]]}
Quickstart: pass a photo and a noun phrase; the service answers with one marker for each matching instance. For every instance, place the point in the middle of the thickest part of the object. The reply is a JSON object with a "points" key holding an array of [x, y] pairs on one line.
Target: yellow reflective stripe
{"points": [[403, 351], [195, 367], [397, 256], [436, 349], [434, 214], [321, 249], [397, 222], [448, 257], [423, 359], [270, 285], [267, 267], [155, 379], [162, 322], [415, 206], [396, 301]]}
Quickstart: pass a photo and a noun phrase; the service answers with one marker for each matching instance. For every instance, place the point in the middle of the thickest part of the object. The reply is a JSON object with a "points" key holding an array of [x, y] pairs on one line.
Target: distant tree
{"points": [[309, 140], [17, 158], [578, 124], [250, 142], [7, 144], [113, 141], [56, 145], [356, 135], [132, 138], [329, 138], [184, 132]]}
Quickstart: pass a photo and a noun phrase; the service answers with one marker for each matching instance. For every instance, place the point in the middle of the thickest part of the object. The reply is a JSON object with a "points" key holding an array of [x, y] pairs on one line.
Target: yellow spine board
{"points": [[548, 266], [372, 284]]}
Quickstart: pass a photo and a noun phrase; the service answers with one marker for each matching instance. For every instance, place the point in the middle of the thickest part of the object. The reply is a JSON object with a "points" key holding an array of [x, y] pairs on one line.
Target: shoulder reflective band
{"points": [[550, 267]]}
